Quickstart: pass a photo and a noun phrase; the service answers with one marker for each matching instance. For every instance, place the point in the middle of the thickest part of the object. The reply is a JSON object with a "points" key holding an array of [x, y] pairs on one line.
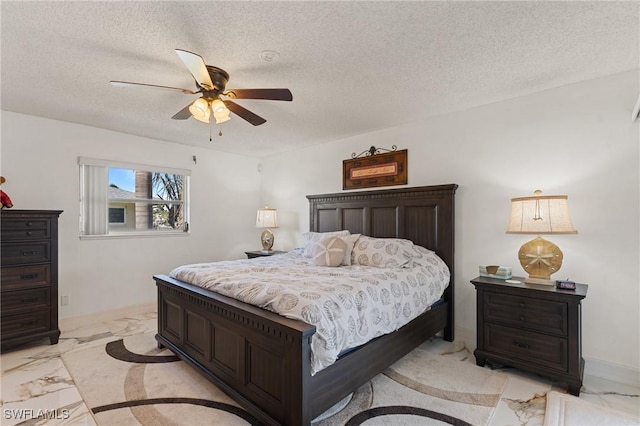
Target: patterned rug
{"points": [[131, 382]]}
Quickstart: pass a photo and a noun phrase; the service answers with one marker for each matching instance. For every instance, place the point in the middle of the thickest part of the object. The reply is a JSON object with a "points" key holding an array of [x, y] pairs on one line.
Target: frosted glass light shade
{"points": [[200, 110]]}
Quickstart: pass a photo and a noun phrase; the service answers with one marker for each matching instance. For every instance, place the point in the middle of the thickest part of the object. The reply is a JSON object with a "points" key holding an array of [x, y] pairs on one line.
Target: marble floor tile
{"points": [[35, 380]]}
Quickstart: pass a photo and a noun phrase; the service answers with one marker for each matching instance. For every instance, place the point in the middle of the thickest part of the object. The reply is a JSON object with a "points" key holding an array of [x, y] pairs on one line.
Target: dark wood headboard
{"points": [[424, 215]]}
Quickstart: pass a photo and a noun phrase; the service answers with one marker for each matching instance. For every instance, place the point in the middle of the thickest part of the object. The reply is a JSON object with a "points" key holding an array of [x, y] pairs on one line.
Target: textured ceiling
{"points": [[353, 67]]}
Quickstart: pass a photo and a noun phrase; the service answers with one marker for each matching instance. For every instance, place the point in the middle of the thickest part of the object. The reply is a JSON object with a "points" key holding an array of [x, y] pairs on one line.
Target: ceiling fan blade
{"points": [[183, 114], [196, 66], [267, 94], [242, 112], [150, 86]]}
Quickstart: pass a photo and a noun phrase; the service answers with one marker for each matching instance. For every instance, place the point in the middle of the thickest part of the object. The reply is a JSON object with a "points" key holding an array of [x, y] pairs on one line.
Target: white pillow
{"points": [[382, 252], [351, 241], [329, 251], [310, 238]]}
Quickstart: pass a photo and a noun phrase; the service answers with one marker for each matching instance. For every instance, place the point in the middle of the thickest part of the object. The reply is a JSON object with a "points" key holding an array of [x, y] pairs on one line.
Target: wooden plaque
{"points": [[384, 169]]}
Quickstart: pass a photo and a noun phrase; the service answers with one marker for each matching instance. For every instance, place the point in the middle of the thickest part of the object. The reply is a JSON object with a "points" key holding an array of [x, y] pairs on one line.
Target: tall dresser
{"points": [[29, 276]]}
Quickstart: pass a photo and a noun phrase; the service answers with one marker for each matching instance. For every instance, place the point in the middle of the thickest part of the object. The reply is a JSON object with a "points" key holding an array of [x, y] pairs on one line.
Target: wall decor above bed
{"points": [[375, 167]]}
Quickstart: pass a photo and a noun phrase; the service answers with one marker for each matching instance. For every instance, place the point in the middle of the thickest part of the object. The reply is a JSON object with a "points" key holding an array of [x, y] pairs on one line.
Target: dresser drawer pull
{"points": [[29, 233], [28, 276], [29, 252], [522, 345], [29, 299], [522, 318], [29, 223], [523, 305], [32, 322]]}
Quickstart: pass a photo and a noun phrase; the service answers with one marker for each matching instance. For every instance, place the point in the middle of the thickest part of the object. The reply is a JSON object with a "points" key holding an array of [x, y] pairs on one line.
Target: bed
{"points": [[263, 360]]}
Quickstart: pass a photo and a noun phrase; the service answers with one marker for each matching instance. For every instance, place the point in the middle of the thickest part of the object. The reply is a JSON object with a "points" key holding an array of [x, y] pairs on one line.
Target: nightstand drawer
{"points": [[535, 314], [19, 301], [27, 252], [20, 277], [25, 324], [526, 346], [28, 229]]}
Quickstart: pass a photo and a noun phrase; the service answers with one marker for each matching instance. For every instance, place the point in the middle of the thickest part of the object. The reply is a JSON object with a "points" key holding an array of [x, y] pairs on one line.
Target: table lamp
{"points": [[540, 214], [267, 218]]}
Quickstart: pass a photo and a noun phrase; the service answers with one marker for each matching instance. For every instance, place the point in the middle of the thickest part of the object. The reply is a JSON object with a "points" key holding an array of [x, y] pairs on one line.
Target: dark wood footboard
{"points": [[259, 358], [263, 360]]}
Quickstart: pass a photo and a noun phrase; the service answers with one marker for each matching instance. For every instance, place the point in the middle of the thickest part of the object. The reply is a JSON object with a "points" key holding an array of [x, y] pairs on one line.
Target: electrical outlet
{"points": [[64, 300]]}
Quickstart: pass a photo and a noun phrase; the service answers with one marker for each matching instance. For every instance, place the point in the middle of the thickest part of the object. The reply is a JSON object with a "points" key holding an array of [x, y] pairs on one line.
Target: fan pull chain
{"points": [[210, 130]]}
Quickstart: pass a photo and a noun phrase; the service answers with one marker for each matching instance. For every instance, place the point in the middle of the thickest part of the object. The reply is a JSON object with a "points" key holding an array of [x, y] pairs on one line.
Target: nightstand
{"points": [[532, 327], [260, 253]]}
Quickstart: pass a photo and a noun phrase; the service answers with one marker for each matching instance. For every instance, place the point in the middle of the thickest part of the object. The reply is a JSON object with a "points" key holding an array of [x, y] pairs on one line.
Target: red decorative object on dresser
{"points": [[29, 279]]}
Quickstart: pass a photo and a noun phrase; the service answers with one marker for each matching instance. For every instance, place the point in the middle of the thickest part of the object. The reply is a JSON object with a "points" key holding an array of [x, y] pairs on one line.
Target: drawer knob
{"points": [[29, 252], [29, 299], [29, 233], [522, 318], [523, 305], [522, 345], [28, 276], [29, 223]]}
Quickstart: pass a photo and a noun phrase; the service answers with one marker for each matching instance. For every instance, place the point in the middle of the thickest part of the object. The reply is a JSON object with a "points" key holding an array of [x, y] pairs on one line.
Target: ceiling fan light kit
{"points": [[210, 84], [200, 110]]}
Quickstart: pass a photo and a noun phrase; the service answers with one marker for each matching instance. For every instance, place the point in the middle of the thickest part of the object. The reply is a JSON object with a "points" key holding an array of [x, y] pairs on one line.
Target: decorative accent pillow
{"points": [[310, 238], [351, 241], [329, 252], [382, 252]]}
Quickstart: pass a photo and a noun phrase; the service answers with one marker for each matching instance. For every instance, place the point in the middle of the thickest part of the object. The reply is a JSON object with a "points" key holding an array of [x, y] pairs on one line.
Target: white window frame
{"points": [[94, 202]]}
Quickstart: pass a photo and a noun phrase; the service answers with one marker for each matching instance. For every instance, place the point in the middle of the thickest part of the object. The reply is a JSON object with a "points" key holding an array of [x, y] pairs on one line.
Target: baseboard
{"points": [[610, 371], [71, 323]]}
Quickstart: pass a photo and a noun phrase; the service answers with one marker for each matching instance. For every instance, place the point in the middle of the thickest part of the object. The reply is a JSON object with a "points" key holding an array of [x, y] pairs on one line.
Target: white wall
{"points": [[39, 160], [576, 140]]}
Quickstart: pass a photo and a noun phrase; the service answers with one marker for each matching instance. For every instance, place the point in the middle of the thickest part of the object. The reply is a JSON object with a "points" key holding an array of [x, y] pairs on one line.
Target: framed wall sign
{"points": [[375, 168]]}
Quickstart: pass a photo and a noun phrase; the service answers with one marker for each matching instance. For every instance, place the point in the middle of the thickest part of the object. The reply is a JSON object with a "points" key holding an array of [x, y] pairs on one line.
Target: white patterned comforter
{"points": [[349, 305]]}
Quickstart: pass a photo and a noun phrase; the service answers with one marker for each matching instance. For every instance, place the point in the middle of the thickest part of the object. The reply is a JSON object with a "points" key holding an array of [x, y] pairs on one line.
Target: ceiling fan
{"points": [[211, 85]]}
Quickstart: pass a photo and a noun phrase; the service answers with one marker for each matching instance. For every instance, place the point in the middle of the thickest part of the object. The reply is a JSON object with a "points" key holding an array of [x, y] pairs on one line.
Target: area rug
{"points": [[563, 409], [132, 382]]}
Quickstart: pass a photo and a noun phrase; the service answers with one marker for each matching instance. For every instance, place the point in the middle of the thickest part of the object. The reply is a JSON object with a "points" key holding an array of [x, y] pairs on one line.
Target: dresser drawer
{"points": [[23, 324], [27, 252], [535, 314], [19, 301], [27, 229], [526, 346], [20, 277]]}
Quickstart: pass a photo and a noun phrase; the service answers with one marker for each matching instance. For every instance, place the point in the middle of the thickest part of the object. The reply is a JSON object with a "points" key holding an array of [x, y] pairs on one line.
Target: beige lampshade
{"points": [[540, 214], [267, 218]]}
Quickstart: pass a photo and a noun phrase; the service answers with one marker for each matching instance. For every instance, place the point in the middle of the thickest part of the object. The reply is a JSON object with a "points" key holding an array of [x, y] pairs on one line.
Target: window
{"points": [[117, 215], [125, 199]]}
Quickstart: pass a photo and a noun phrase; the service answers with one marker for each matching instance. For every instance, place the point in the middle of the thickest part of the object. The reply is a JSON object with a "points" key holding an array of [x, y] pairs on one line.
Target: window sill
{"points": [[136, 235]]}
